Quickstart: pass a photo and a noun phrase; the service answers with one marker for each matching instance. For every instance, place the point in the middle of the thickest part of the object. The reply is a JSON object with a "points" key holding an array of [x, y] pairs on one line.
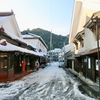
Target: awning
{"points": [[68, 47], [77, 55], [71, 57], [80, 54], [95, 50]]}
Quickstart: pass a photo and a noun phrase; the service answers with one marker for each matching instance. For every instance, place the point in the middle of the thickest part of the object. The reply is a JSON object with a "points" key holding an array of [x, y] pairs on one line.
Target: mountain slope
{"points": [[57, 40]]}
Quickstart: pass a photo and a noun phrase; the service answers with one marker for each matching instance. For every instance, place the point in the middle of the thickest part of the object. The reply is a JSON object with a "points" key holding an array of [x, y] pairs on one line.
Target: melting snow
{"points": [[51, 83]]}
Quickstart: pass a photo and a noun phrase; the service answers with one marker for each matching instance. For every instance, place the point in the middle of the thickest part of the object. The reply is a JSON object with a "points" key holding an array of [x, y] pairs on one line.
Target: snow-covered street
{"points": [[50, 83]]}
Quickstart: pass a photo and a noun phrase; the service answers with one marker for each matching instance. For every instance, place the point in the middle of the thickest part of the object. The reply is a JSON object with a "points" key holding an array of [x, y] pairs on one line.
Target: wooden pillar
{"points": [[73, 64], [8, 62], [86, 67]]}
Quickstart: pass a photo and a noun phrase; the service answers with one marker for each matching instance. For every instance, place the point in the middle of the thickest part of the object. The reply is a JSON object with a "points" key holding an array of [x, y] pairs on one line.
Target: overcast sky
{"points": [[51, 15]]}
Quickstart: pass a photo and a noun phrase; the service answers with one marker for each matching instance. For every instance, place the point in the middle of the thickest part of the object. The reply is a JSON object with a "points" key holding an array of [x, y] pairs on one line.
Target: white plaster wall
{"points": [[75, 19], [38, 44], [32, 41], [80, 13], [89, 40], [86, 13], [8, 26], [81, 49], [41, 46], [11, 26]]}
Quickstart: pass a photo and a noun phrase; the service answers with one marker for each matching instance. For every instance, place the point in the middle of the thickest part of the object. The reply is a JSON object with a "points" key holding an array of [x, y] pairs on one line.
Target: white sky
{"points": [[51, 15]]}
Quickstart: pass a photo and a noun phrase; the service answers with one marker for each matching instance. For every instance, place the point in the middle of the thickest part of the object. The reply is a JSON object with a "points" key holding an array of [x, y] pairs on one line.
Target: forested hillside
{"points": [[57, 40]]}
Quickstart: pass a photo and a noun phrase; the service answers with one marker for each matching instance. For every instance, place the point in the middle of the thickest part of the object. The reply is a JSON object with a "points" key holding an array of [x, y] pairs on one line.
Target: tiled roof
{"points": [[6, 13], [33, 36], [95, 50]]}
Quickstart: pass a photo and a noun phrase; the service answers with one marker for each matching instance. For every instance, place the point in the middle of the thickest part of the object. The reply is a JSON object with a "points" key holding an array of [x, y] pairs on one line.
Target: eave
{"points": [[78, 36], [36, 37], [90, 23], [6, 13]]}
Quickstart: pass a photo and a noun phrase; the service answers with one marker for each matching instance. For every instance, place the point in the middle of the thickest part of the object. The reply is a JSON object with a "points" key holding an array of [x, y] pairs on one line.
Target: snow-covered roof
{"points": [[68, 47], [13, 36], [30, 35], [8, 21], [2, 40], [2, 18], [5, 15], [27, 36], [41, 54], [55, 50], [11, 47]]}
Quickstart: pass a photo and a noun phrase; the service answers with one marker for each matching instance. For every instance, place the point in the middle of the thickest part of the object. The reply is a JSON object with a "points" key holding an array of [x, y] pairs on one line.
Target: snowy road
{"points": [[50, 83]]}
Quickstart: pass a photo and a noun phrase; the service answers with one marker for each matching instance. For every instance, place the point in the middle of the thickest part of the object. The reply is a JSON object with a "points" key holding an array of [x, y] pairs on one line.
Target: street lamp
{"points": [[95, 20]]}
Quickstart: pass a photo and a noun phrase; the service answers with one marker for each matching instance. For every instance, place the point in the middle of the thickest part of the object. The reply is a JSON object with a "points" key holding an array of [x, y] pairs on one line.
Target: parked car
{"points": [[42, 66], [61, 63]]}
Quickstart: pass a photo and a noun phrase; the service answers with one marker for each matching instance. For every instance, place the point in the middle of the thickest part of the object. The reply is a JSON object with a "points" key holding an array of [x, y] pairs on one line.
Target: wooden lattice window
{"points": [[99, 32], [3, 62]]}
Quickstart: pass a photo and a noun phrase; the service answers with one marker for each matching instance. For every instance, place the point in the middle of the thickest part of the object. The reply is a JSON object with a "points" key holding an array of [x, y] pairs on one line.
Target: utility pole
{"points": [[64, 49], [51, 40], [64, 53], [95, 20], [98, 53], [51, 29], [51, 45]]}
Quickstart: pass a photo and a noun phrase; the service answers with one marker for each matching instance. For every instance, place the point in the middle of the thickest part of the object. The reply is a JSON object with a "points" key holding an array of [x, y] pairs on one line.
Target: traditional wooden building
{"points": [[84, 33], [17, 57], [85, 42], [40, 45], [68, 52]]}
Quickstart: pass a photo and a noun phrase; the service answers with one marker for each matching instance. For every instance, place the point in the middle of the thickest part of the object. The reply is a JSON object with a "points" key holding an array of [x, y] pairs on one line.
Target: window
{"points": [[11, 61], [6, 60], [3, 61], [82, 43], [81, 40], [99, 32]]}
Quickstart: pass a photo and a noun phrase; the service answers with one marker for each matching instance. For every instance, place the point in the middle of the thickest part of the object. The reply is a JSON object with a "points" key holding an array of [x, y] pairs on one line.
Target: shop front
{"points": [[6, 65]]}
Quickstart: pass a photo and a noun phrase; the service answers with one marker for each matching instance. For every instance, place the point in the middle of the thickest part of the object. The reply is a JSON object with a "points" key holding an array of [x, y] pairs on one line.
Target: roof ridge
{"points": [[6, 13]]}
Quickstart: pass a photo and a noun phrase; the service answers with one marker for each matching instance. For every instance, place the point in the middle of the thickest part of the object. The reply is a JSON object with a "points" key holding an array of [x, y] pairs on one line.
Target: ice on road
{"points": [[50, 83]]}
